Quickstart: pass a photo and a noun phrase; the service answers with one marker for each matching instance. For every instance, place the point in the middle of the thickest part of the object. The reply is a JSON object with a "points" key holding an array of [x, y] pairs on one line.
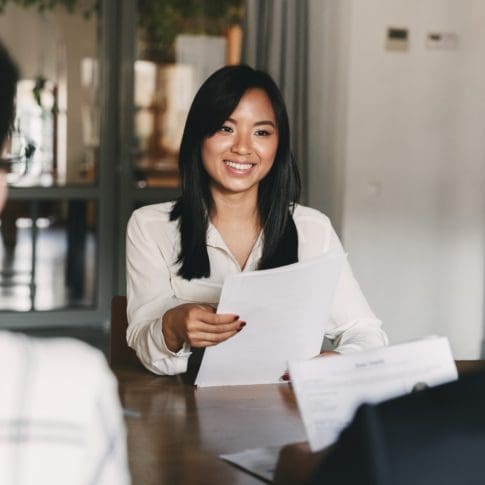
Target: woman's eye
{"points": [[226, 129], [262, 133]]}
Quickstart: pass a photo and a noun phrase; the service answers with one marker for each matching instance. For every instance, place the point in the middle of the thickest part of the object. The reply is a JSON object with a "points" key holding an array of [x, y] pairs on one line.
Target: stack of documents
{"points": [[286, 310]]}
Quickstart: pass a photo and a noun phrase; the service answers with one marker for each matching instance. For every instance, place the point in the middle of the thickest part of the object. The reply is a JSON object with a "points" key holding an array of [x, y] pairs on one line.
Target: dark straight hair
{"points": [[8, 85], [278, 192]]}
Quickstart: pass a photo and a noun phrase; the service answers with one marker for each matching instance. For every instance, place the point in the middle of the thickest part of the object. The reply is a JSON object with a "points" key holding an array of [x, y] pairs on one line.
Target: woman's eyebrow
{"points": [[265, 122], [258, 123]]}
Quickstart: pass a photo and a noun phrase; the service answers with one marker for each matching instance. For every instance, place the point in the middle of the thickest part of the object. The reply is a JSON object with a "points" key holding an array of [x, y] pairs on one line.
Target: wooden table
{"points": [[181, 430]]}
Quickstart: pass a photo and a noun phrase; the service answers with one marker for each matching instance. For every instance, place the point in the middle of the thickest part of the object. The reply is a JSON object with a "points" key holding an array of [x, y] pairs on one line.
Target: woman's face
{"points": [[241, 153]]}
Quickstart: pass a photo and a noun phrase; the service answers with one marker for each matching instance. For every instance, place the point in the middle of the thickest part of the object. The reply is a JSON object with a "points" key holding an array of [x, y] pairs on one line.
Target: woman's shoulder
{"points": [[153, 221], [303, 215], [315, 231], [153, 212]]}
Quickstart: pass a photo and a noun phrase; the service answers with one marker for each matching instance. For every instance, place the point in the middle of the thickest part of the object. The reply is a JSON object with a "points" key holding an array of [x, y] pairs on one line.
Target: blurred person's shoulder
{"points": [[58, 356], [61, 377]]}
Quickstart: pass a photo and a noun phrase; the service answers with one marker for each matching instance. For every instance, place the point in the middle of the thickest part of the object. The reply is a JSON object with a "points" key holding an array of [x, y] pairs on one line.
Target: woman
{"points": [[237, 212]]}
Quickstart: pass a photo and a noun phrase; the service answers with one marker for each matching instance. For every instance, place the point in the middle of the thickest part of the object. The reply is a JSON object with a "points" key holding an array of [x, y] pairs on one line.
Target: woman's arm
{"points": [[352, 324], [162, 328], [150, 294]]}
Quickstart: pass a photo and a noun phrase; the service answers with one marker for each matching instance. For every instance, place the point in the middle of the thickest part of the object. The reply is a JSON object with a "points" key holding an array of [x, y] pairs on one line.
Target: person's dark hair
{"points": [[278, 192], [8, 83]]}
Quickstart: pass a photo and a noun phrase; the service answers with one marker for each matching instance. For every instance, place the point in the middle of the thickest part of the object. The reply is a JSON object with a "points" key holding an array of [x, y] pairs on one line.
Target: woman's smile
{"points": [[239, 167]]}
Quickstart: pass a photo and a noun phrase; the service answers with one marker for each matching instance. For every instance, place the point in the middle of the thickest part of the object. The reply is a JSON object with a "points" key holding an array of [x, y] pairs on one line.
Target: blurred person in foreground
{"points": [[61, 421]]}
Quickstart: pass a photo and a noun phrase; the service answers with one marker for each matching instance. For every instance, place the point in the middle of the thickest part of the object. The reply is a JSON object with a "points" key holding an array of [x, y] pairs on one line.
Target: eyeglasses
{"points": [[20, 153]]}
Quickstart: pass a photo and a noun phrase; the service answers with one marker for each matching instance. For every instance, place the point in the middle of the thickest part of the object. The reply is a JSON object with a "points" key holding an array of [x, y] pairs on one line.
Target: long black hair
{"points": [[8, 83], [278, 192]]}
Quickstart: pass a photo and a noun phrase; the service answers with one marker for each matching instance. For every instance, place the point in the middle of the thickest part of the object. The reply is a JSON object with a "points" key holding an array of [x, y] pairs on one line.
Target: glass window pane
{"points": [[179, 44], [48, 255], [57, 108]]}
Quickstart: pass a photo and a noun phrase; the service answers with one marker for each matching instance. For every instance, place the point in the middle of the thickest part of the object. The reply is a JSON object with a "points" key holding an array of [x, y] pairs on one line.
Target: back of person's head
{"points": [[431, 437], [8, 83], [436, 436]]}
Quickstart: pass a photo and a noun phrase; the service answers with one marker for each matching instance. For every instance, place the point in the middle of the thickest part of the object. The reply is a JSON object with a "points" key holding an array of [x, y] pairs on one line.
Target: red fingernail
{"points": [[243, 324]]}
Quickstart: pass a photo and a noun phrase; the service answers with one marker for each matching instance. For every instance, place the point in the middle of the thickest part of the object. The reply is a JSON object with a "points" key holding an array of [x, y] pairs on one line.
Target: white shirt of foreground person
{"points": [[153, 286], [60, 417]]}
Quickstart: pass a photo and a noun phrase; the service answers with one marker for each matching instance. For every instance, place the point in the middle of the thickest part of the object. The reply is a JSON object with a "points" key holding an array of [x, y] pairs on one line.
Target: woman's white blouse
{"points": [[153, 286]]}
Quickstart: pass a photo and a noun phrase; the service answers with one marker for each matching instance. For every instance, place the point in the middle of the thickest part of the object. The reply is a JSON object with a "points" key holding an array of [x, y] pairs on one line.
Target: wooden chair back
{"points": [[120, 355]]}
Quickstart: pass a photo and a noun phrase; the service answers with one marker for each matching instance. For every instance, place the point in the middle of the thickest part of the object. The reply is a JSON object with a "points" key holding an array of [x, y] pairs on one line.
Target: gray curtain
{"points": [[276, 40]]}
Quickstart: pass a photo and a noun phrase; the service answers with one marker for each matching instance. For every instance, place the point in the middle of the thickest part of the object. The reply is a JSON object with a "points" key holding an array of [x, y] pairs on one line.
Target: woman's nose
{"points": [[242, 145]]}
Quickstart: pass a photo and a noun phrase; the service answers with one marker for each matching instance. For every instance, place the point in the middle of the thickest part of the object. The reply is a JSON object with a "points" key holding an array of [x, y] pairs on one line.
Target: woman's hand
{"points": [[198, 325], [327, 353]]}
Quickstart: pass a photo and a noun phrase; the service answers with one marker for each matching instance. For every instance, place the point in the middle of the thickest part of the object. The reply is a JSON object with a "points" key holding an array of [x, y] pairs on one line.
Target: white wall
{"points": [[412, 152], [328, 86]]}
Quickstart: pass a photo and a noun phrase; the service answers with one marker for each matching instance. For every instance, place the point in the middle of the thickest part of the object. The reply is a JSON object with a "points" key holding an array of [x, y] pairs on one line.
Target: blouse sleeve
{"points": [[150, 295], [352, 325]]}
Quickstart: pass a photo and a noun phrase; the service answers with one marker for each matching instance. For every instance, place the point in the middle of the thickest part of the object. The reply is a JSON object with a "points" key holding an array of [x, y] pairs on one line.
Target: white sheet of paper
{"points": [[330, 389], [286, 310], [258, 461]]}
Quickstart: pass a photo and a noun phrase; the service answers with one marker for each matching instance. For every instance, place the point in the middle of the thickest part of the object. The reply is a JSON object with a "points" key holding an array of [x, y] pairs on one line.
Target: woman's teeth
{"points": [[238, 166]]}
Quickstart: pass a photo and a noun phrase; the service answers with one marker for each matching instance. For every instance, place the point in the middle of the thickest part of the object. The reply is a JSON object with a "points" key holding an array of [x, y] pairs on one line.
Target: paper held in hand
{"points": [[286, 310], [330, 389]]}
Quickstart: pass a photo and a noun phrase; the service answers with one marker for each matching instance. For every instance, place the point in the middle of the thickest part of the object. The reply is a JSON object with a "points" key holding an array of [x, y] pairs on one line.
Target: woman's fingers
{"points": [[218, 318], [204, 334], [222, 327], [326, 353], [209, 339]]}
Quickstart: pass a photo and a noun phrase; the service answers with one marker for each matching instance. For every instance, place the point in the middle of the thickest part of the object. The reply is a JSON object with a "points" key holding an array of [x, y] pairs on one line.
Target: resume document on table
{"points": [[286, 310], [330, 389]]}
